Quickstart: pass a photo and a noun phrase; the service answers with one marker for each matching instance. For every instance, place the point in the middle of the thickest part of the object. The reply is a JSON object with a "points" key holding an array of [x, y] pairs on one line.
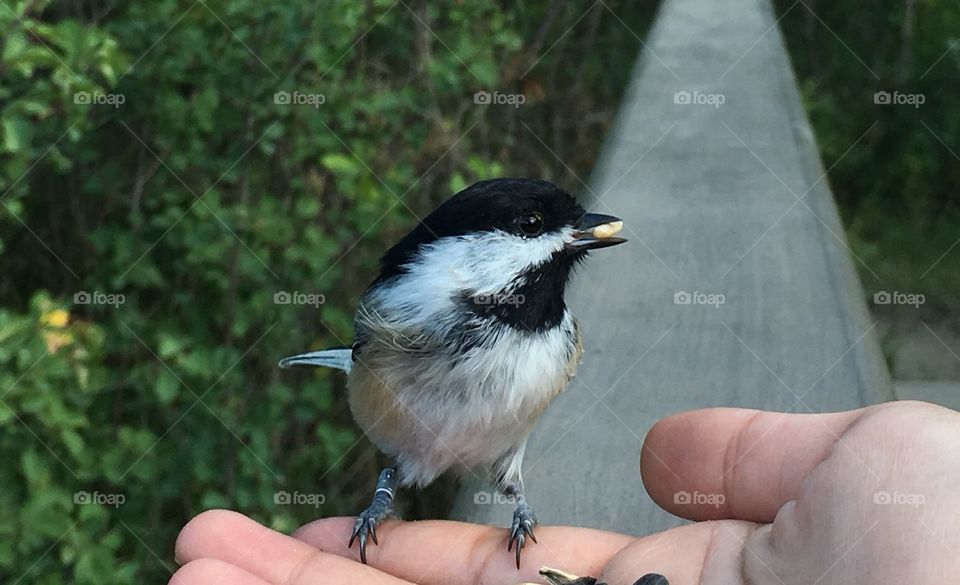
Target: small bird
{"points": [[464, 338]]}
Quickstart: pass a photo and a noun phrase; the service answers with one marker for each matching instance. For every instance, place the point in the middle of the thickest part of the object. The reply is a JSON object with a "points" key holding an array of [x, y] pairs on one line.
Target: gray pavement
{"points": [[944, 393]]}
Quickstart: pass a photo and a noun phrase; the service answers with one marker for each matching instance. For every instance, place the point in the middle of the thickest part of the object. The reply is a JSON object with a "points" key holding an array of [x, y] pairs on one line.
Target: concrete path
{"points": [[736, 288], [944, 393]]}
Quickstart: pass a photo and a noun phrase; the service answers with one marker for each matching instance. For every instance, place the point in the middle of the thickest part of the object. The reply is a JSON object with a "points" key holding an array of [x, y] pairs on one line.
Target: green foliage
{"points": [[172, 162], [897, 182]]}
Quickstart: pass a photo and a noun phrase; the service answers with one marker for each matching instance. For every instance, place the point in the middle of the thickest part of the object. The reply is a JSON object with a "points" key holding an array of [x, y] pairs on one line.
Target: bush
{"points": [[897, 188], [169, 170]]}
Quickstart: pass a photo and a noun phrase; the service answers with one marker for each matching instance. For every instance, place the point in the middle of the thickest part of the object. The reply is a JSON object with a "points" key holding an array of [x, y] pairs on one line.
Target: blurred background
{"points": [[191, 190]]}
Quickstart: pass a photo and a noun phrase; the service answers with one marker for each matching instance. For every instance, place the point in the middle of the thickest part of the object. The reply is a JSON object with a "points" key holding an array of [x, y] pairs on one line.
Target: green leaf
{"points": [[17, 133], [166, 387], [340, 164]]}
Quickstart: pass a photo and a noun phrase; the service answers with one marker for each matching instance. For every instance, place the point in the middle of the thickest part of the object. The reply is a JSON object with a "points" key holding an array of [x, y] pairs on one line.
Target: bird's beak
{"points": [[595, 230]]}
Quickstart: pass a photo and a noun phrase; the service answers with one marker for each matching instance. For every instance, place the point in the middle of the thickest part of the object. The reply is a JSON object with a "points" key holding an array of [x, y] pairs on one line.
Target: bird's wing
{"points": [[386, 331]]}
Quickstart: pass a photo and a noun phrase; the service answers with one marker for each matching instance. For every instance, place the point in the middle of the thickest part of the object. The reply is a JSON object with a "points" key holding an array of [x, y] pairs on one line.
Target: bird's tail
{"points": [[340, 358]]}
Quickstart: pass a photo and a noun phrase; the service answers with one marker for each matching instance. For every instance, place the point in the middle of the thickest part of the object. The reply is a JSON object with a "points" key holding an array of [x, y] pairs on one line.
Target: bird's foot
{"points": [[379, 509], [523, 522], [366, 526]]}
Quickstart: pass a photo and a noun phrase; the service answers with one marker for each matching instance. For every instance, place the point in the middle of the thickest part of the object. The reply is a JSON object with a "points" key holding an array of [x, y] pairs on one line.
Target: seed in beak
{"points": [[606, 230]]}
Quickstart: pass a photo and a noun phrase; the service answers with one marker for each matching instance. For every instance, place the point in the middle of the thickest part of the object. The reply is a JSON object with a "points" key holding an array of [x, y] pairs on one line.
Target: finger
{"points": [[205, 571], [454, 553], [706, 553], [683, 554], [735, 463], [271, 556]]}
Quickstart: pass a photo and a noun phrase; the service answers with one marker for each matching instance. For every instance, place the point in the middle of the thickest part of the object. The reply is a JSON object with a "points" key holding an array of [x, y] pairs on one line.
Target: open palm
{"points": [[867, 496]]}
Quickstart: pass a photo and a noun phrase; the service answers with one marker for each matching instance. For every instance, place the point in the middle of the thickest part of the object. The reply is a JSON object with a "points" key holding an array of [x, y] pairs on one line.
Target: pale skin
{"points": [[867, 496]]}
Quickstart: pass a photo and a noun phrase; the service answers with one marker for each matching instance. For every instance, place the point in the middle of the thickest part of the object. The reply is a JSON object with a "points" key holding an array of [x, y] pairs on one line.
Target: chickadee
{"points": [[464, 339]]}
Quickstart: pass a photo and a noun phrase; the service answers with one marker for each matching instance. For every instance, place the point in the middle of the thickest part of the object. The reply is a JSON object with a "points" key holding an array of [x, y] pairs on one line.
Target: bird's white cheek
{"points": [[494, 262], [487, 263], [460, 275]]}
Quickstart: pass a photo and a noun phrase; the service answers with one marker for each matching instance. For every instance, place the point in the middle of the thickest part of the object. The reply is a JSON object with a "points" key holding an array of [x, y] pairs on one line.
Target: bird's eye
{"points": [[531, 224]]}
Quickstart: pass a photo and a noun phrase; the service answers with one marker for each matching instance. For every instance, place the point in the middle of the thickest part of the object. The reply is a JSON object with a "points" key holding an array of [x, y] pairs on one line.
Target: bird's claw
{"points": [[523, 522], [365, 526], [381, 507]]}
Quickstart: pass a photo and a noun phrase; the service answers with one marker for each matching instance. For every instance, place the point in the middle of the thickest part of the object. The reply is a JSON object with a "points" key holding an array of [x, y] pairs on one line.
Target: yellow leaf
{"points": [[56, 318]]}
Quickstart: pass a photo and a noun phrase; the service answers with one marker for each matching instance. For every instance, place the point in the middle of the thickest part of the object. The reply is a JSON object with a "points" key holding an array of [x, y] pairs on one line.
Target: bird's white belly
{"points": [[466, 413]]}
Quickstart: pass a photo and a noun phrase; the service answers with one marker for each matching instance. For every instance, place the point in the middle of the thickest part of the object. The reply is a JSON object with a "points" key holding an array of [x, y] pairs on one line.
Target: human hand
{"points": [[866, 496]]}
